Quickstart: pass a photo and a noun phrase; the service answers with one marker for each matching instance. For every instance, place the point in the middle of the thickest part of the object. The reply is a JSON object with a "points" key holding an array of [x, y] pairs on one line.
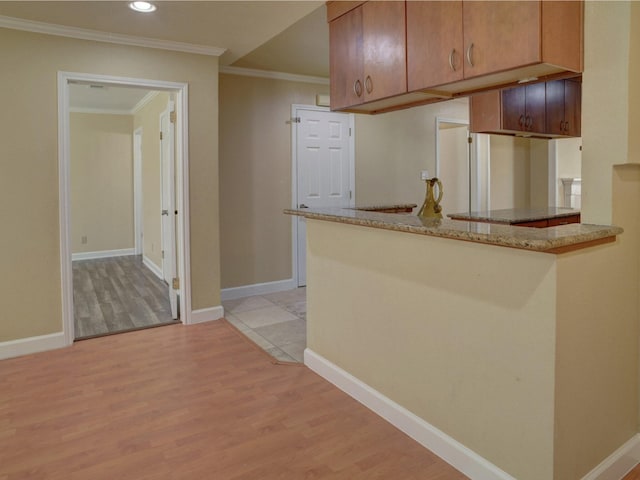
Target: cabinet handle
{"points": [[451, 64], [529, 122], [562, 125], [521, 121], [368, 84], [566, 127], [469, 54], [357, 88]]}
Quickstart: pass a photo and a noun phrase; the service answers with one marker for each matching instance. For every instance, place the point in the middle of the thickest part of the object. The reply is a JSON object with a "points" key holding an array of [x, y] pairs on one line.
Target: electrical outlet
{"points": [[424, 174], [83, 240]]}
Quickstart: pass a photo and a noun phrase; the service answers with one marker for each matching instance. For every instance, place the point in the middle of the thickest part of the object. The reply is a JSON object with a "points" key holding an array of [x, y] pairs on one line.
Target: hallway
{"points": [[117, 294]]}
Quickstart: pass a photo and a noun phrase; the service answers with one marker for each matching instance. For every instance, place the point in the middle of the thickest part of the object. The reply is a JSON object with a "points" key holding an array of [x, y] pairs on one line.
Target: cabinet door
{"points": [[500, 35], [434, 43], [572, 108], [346, 60], [523, 108], [555, 107], [564, 107], [535, 108], [384, 45], [513, 108]]}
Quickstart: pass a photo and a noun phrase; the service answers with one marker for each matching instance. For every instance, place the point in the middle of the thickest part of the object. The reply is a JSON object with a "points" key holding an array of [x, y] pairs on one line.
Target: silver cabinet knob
{"points": [[165, 212], [302, 205]]}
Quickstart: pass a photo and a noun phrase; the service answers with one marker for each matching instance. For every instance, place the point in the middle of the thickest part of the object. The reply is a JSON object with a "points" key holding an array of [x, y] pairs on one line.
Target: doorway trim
{"points": [[294, 176], [167, 203], [473, 155], [64, 186], [137, 190]]}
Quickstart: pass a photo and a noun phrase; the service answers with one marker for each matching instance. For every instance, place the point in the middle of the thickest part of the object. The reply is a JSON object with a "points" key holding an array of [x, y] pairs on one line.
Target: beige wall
{"points": [[597, 341], [568, 163], [535, 372], [148, 118], [392, 149], [255, 168], [101, 182], [634, 80], [606, 102], [29, 183], [519, 172], [538, 173], [454, 169], [441, 327], [510, 172], [255, 176]]}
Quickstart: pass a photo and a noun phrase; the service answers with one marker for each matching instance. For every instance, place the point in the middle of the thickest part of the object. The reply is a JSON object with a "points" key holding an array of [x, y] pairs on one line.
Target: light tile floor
{"points": [[276, 322]]}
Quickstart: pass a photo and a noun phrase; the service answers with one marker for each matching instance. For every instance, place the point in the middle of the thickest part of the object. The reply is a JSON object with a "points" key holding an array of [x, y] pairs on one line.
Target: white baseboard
{"points": [[157, 271], [103, 254], [257, 289], [206, 315], [25, 346], [450, 450], [619, 463]]}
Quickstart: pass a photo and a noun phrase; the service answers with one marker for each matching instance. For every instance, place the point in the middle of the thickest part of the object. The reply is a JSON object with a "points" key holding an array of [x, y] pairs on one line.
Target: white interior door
{"points": [[324, 166], [168, 206]]}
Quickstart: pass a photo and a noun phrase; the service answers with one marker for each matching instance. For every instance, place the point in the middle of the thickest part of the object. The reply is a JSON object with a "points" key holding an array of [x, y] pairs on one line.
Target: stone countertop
{"points": [[550, 240], [373, 208], [516, 215]]}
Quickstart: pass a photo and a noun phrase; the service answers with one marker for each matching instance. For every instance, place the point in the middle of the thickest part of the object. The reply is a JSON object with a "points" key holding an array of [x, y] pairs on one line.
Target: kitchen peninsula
{"points": [[485, 350], [525, 217]]}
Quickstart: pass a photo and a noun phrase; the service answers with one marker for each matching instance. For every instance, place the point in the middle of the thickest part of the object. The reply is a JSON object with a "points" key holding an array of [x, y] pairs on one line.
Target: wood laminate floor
{"points": [[633, 474], [117, 294], [191, 402]]}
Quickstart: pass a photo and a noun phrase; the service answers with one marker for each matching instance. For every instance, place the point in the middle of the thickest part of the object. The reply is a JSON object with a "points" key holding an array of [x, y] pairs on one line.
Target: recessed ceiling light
{"points": [[144, 7]]}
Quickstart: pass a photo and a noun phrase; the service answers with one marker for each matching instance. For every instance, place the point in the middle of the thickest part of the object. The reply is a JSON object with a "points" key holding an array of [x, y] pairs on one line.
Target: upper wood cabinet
{"points": [[500, 36], [434, 43], [346, 60], [413, 52], [523, 108], [549, 109], [368, 54], [459, 46], [384, 45], [563, 101]]}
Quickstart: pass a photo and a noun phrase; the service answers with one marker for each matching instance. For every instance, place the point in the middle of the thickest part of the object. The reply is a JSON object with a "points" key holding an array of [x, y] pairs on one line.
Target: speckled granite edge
{"points": [[535, 239], [372, 208], [518, 215]]}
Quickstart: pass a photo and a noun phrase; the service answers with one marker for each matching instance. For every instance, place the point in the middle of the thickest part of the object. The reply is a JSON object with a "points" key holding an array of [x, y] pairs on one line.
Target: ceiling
{"points": [[105, 98], [258, 30], [303, 48], [281, 36]]}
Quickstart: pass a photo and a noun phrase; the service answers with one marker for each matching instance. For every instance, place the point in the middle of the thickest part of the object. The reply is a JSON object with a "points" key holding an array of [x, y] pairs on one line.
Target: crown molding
{"points": [[250, 72], [144, 101], [106, 37]]}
